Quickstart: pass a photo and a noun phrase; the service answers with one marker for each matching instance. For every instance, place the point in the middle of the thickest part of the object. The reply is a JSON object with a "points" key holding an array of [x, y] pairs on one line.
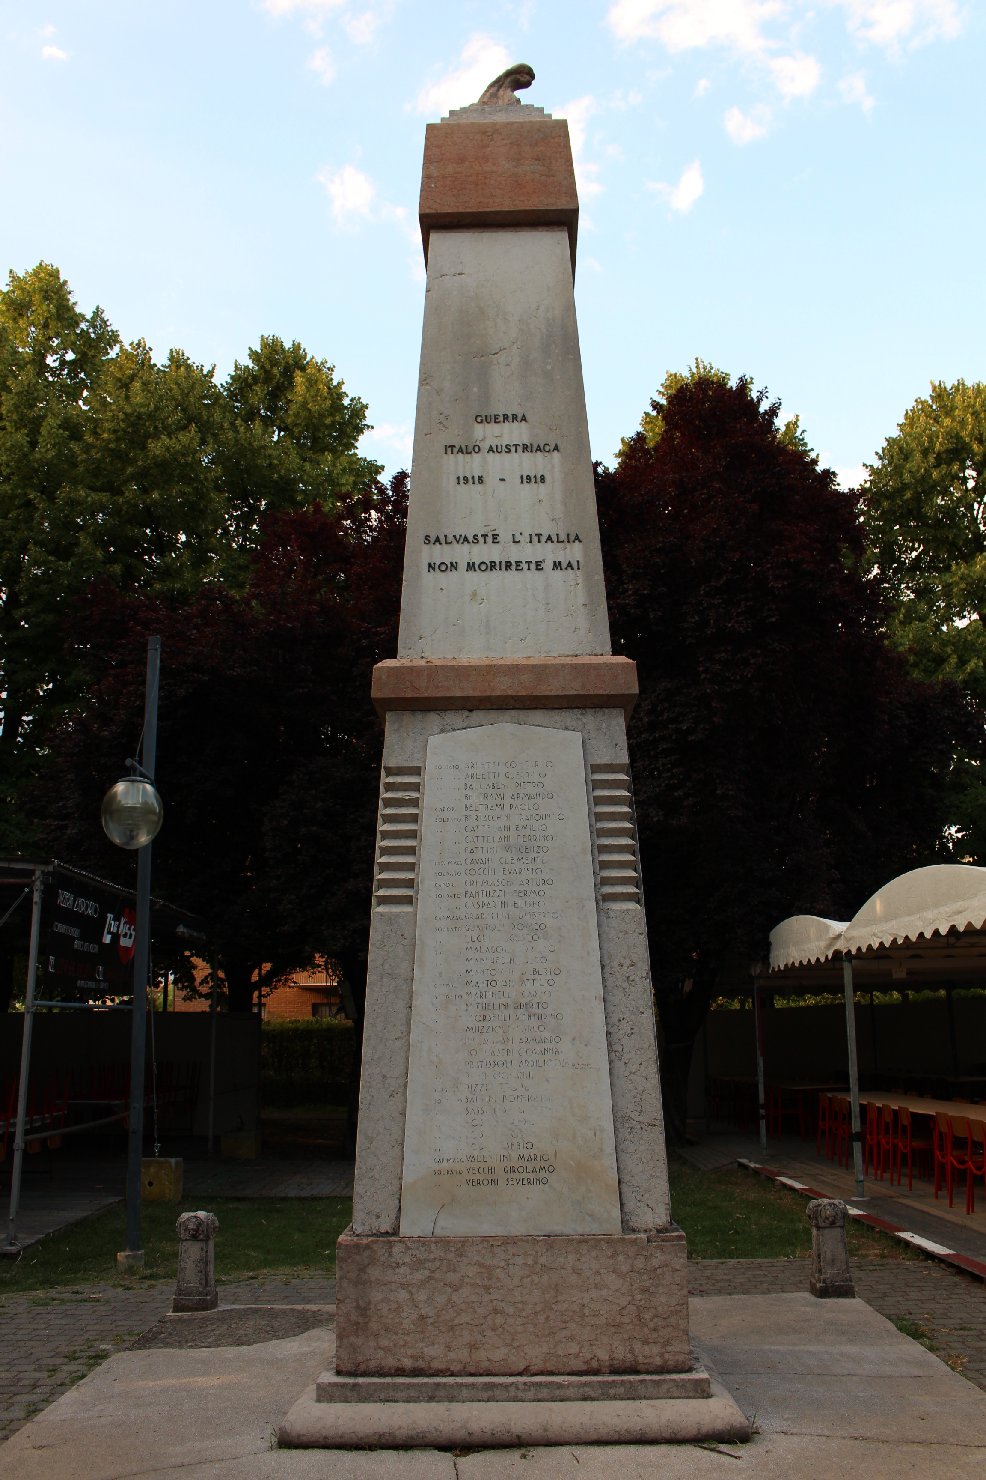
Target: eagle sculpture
{"points": [[502, 89]]}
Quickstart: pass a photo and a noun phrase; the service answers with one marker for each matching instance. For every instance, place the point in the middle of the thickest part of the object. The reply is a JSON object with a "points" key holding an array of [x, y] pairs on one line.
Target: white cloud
{"points": [[394, 434], [360, 24], [689, 188], [890, 23], [578, 112], [317, 8], [408, 224], [362, 28], [54, 54], [351, 192], [621, 101], [853, 90], [682, 25], [795, 76], [480, 60], [682, 197], [743, 128], [320, 62], [852, 477], [48, 30], [739, 26], [355, 203]]}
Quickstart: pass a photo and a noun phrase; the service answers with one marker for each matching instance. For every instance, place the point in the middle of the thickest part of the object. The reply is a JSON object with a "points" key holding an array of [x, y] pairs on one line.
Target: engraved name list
{"points": [[508, 1087]]}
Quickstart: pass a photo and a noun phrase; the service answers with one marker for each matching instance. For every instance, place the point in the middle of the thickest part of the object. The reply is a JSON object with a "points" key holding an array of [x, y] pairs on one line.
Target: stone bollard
{"points": [[196, 1287], [830, 1276]]}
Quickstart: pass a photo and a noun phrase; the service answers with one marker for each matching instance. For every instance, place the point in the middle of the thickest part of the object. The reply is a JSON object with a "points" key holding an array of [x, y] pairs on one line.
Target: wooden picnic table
{"points": [[802, 1099], [921, 1104]]}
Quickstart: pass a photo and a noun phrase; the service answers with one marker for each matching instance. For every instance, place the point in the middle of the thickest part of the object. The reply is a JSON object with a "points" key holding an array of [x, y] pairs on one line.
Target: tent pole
{"points": [[953, 1048], [10, 1245], [758, 1029], [857, 1144], [213, 1005]]}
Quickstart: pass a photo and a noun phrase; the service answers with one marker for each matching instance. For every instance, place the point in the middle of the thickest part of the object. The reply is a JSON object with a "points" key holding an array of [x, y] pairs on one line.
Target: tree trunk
{"points": [[241, 989], [682, 1006]]}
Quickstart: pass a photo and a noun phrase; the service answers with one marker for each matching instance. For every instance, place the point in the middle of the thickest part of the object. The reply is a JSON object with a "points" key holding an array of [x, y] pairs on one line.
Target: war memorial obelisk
{"points": [[512, 1274]]}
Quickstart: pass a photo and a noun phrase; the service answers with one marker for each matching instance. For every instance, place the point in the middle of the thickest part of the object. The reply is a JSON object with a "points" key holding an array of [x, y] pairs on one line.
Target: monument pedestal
{"points": [[512, 1274], [498, 1412], [507, 1306]]}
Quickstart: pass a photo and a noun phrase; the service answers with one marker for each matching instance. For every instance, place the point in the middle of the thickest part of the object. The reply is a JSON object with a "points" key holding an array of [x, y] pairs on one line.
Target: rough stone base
{"points": [[437, 1425], [611, 1387], [511, 1305], [189, 1304]]}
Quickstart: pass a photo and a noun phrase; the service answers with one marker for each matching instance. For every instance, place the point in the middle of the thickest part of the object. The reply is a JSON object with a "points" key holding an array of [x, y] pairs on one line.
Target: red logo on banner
{"points": [[128, 935]]}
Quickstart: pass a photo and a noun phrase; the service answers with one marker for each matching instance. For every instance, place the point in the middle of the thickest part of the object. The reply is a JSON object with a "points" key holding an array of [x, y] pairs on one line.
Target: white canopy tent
{"points": [[928, 926]]}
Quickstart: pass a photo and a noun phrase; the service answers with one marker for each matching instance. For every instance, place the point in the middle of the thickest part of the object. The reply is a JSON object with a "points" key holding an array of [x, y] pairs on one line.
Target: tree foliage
{"points": [[924, 513], [152, 477], [784, 761], [652, 421], [268, 750]]}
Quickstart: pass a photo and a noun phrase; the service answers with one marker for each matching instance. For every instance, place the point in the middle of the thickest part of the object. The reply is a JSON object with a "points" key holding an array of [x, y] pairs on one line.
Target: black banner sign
{"points": [[87, 940]]}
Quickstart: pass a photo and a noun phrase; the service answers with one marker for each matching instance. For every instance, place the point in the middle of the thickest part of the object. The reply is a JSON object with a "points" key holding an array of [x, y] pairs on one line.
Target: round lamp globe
{"points": [[132, 813]]}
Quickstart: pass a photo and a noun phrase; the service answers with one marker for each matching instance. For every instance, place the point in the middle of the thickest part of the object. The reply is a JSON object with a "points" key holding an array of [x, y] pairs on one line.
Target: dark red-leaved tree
{"points": [[783, 759], [268, 747]]}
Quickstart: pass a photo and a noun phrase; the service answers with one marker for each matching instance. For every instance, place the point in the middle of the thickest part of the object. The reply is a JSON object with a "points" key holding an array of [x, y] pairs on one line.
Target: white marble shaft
{"points": [[509, 1117], [503, 543], [623, 959], [468, 1099]]}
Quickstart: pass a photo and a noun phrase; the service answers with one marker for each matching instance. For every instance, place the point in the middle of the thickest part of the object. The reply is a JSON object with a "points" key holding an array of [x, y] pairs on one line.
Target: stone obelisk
{"points": [[512, 1260]]}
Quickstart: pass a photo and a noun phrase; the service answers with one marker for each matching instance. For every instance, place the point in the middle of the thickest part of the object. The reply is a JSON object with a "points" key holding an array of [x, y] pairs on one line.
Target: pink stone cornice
{"points": [[505, 683]]}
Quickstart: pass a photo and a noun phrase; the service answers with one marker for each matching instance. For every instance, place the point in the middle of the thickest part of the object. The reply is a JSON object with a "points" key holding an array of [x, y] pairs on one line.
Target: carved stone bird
{"points": [[502, 89]]}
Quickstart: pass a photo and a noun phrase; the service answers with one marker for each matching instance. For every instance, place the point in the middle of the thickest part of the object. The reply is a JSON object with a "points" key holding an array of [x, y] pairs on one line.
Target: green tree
{"points": [[292, 440], [652, 421], [268, 748], [149, 476], [924, 513], [784, 761], [50, 358]]}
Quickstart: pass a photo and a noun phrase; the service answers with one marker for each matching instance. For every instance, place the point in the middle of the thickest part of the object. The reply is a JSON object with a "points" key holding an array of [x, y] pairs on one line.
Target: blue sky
{"points": [[789, 190]]}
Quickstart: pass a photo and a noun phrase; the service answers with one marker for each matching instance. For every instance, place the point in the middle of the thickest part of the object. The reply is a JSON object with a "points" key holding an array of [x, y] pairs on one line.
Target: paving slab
{"points": [[212, 1412], [836, 1368], [777, 1457], [143, 1412]]}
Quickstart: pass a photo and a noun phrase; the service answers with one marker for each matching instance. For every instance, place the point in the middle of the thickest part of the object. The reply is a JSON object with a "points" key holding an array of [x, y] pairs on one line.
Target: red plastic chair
{"points": [[907, 1146], [842, 1137], [871, 1139], [941, 1146], [959, 1154], [977, 1161], [823, 1128], [885, 1141]]}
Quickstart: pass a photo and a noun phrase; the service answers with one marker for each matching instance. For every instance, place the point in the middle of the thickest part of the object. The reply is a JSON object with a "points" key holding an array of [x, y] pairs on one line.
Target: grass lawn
{"points": [[257, 1237], [738, 1215], [725, 1215]]}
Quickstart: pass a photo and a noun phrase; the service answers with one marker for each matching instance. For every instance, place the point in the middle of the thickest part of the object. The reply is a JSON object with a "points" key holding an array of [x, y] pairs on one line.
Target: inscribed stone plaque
{"points": [[503, 555], [509, 1113]]}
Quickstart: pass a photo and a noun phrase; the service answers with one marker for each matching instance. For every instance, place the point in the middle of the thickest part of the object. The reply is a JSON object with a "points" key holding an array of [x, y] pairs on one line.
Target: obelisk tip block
{"points": [[487, 173]]}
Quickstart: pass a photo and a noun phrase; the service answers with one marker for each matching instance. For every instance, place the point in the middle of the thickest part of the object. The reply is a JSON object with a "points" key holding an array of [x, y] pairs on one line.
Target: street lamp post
{"points": [[131, 815]]}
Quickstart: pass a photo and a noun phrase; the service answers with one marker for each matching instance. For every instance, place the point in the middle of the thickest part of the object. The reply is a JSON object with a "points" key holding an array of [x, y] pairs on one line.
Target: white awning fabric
{"points": [[802, 939], [943, 898]]}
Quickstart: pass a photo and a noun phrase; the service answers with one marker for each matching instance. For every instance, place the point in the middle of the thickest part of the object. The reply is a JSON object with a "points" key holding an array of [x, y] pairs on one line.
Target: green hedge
{"points": [[306, 1063]]}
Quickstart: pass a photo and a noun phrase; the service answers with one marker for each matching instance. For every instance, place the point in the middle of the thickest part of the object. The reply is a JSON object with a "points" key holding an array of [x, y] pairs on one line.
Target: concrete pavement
{"points": [[835, 1389]]}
